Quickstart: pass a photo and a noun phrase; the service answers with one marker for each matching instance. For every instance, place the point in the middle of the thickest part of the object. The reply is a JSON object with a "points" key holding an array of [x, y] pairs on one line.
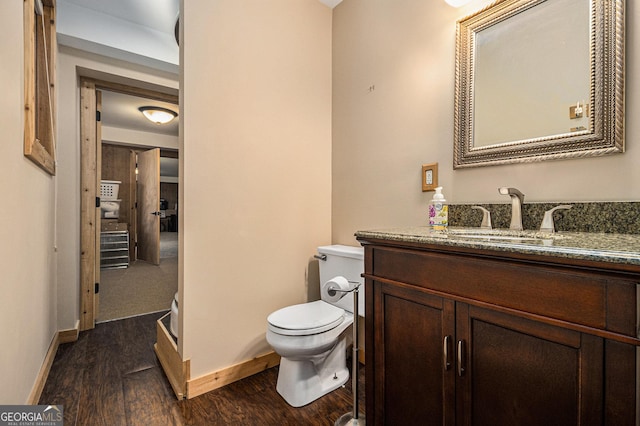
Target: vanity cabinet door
{"points": [[414, 372], [518, 371]]}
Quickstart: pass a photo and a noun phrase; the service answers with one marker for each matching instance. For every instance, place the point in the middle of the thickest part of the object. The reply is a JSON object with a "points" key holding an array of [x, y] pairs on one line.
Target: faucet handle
{"points": [[486, 217], [548, 225]]}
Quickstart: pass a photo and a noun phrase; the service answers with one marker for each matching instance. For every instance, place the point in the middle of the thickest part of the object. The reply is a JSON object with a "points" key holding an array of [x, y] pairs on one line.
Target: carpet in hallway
{"points": [[142, 287]]}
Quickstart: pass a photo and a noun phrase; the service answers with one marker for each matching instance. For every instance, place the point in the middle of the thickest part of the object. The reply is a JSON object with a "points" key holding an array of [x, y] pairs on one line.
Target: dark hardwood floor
{"points": [[111, 376]]}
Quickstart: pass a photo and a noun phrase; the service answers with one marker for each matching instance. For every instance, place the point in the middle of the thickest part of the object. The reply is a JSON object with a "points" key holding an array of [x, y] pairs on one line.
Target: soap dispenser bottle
{"points": [[438, 211]]}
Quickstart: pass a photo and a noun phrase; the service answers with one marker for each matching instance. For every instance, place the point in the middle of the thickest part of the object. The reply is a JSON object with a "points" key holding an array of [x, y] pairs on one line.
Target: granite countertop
{"points": [[601, 247]]}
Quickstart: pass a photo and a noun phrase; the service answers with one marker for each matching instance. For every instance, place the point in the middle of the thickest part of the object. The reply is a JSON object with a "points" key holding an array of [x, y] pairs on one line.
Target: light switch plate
{"points": [[429, 177]]}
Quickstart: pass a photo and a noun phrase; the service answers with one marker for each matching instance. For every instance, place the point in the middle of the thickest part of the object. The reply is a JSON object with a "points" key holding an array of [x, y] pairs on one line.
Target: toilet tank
{"points": [[343, 261]]}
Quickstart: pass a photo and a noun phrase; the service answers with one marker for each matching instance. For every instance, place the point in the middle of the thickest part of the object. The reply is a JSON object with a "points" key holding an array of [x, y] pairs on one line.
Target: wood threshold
{"points": [[228, 375]]}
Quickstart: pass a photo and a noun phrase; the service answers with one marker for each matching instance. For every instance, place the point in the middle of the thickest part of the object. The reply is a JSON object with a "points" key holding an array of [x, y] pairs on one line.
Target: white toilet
{"points": [[312, 338]]}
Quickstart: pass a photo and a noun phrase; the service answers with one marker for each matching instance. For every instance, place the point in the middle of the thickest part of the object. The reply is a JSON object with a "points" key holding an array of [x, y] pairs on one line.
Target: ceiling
{"points": [[157, 14], [139, 31], [119, 110]]}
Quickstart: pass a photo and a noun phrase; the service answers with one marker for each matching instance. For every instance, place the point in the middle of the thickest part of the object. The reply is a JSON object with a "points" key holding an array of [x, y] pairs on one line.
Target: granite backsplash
{"points": [[608, 217]]}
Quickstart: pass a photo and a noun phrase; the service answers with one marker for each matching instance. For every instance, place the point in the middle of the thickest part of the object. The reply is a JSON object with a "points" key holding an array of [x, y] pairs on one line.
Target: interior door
{"points": [[149, 206]]}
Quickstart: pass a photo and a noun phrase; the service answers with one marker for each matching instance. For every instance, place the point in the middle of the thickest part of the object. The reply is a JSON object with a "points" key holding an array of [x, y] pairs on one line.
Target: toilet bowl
{"points": [[313, 361], [312, 338]]}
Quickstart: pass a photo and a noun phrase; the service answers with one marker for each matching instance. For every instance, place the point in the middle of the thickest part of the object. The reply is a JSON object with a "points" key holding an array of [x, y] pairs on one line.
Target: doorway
{"points": [[92, 215], [148, 281]]}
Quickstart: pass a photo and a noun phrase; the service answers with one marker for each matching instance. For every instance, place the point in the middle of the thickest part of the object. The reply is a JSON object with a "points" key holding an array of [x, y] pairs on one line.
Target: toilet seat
{"points": [[306, 319]]}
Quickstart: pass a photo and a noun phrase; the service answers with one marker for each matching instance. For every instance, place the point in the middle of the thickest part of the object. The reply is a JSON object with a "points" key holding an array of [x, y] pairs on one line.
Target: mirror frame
{"points": [[606, 121]]}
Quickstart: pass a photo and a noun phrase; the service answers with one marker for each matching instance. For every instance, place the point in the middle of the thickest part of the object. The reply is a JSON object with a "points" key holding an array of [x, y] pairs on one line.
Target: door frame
{"points": [[89, 184]]}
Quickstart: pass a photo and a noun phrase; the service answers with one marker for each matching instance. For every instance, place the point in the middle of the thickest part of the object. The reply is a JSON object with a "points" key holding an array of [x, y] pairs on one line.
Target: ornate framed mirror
{"points": [[539, 80]]}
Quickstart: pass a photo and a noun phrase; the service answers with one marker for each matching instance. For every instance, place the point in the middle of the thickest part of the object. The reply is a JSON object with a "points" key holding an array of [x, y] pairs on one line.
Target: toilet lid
{"points": [[307, 318]]}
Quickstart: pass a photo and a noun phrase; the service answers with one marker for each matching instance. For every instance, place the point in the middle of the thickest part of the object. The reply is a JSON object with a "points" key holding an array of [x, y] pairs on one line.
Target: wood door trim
{"points": [[98, 179], [88, 188], [134, 91], [88, 185]]}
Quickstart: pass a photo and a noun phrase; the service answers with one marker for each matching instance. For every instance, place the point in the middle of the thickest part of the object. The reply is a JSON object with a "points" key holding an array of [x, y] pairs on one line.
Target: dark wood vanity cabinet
{"points": [[461, 338]]}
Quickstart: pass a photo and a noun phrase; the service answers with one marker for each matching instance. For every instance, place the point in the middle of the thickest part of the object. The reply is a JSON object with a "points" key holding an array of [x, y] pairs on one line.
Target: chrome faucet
{"points": [[517, 198], [548, 224], [486, 217]]}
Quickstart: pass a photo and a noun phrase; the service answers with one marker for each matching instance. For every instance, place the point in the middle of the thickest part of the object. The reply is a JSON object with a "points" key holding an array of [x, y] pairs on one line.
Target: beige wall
{"points": [[259, 162], [27, 257], [406, 49], [71, 64], [255, 175]]}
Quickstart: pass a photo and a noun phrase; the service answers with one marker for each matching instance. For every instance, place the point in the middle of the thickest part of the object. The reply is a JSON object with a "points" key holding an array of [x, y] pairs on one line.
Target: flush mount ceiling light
{"points": [[158, 115]]}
